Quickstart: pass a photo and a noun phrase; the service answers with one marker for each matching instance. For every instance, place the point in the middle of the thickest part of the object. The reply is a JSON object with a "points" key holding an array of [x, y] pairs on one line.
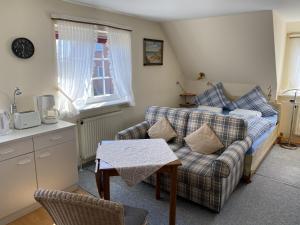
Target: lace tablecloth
{"points": [[135, 160]]}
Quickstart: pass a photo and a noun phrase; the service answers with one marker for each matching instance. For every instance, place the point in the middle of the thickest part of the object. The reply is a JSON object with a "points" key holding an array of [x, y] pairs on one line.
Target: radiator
{"points": [[95, 129], [297, 122]]}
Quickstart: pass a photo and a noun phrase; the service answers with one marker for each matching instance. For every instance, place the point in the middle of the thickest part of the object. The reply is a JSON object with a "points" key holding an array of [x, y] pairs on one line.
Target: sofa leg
{"points": [[247, 179]]}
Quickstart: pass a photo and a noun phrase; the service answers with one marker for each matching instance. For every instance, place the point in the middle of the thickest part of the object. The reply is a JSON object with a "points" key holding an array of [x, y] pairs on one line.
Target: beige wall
{"points": [[280, 38], [37, 75], [237, 50]]}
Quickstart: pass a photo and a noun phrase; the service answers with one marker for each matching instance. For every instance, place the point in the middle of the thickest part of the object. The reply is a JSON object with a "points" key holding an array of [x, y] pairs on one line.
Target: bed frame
{"points": [[253, 161]]}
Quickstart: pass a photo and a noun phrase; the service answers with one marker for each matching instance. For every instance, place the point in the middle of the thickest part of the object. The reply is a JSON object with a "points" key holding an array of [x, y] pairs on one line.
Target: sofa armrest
{"points": [[230, 157], [138, 131]]}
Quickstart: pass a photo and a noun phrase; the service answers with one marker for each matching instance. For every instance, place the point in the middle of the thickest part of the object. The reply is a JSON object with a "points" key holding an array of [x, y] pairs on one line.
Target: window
{"points": [[291, 72], [101, 84], [94, 66]]}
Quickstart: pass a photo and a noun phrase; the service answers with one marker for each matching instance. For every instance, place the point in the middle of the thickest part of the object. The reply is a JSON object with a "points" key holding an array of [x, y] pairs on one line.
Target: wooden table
{"points": [[104, 171]]}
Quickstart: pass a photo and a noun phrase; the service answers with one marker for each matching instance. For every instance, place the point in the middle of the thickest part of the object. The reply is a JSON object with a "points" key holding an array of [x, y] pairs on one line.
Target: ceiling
{"points": [[164, 10]]}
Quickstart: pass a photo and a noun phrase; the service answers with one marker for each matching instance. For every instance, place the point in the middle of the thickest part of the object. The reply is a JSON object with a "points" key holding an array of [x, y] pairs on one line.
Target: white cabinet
{"points": [[40, 157], [56, 166], [17, 183]]}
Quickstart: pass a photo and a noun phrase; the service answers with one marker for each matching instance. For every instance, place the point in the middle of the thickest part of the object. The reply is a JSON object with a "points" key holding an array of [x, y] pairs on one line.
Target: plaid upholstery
{"points": [[257, 126], [177, 118], [213, 97], [254, 100], [208, 188], [228, 129], [205, 179], [196, 168], [223, 165], [138, 131]]}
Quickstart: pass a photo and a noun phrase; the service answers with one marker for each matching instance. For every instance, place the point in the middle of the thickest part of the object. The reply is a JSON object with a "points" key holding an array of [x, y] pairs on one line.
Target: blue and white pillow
{"points": [[253, 100], [214, 97]]}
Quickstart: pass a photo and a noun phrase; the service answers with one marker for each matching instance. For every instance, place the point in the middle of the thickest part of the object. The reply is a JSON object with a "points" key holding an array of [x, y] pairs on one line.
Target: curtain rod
{"points": [[91, 23]]}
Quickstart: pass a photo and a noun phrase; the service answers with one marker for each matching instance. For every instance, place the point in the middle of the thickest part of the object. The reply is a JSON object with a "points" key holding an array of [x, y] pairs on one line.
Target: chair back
{"points": [[76, 209]]}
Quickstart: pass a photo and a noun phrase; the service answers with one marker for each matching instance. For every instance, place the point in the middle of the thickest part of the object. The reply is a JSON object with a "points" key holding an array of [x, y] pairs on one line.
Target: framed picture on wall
{"points": [[153, 52]]}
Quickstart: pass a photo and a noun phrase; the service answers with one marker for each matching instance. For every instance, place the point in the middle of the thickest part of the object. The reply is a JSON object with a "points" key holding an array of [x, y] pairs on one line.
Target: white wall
{"points": [[37, 75], [237, 50]]}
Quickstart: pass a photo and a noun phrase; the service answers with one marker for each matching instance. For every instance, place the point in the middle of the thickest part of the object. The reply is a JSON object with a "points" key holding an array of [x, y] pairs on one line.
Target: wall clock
{"points": [[22, 48]]}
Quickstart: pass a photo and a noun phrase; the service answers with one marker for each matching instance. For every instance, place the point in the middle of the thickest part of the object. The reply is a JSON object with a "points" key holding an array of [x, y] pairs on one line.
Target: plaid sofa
{"points": [[205, 179]]}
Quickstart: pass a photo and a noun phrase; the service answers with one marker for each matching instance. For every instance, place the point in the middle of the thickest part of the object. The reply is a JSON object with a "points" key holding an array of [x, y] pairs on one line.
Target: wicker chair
{"points": [[76, 209]]}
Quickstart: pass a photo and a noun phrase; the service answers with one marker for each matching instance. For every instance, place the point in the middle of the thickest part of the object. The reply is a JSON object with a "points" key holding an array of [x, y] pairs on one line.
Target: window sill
{"points": [[100, 105]]}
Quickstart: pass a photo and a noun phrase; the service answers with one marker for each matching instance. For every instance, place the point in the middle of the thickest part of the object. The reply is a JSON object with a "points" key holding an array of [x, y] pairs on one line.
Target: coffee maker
{"points": [[45, 106]]}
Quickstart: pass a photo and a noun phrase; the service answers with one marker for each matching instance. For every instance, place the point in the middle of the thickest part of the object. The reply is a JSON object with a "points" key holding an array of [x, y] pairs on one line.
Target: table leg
{"points": [[99, 182], [106, 186], [172, 212], [157, 188], [99, 179]]}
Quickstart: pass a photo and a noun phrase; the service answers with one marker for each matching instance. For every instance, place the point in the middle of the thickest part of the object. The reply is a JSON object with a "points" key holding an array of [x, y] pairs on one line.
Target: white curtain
{"points": [[120, 57], [291, 76], [75, 53]]}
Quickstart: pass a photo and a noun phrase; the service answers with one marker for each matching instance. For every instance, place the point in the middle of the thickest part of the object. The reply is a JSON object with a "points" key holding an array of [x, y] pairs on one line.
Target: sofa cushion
{"points": [[162, 129], [174, 146], [204, 140], [196, 169], [228, 129], [177, 118]]}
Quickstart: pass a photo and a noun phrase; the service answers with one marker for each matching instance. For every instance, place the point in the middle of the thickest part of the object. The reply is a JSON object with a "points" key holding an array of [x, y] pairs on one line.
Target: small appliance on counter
{"points": [[4, 122], [45, 106], [23, 120]]}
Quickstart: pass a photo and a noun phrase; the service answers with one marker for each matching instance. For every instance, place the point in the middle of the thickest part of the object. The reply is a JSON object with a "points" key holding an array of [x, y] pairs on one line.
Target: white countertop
{"points": [[44, 128]]}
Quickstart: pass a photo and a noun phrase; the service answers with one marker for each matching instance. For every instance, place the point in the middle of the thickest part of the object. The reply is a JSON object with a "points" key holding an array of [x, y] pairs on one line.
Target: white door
{"points": [[17, 184], [56, 166]]}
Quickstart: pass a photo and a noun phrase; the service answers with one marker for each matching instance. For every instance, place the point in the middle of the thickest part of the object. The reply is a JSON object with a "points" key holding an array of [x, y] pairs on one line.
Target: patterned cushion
{"points": [[228, 129], [253, 100], [177, 118], [196, 169], [213, 97]]}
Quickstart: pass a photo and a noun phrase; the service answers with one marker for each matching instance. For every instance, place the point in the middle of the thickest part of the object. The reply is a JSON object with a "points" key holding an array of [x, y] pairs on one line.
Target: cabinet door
{"points": [[17, 184], [56, 166]]}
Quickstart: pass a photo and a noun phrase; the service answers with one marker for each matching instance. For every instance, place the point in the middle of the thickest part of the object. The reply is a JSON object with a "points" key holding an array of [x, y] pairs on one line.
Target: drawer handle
{"points": [[24, 161], [56, 138], [7, 151], [44, 155]]}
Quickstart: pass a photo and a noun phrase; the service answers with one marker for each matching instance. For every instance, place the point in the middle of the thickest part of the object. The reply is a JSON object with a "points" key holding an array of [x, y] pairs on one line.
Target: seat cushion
{"points": [[134, 216], [196, 169], [174, 146]]}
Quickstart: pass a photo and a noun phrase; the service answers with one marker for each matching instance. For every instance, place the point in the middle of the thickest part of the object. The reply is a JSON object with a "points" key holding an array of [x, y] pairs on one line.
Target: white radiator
{"points": [[95, 129], [297, 122]]}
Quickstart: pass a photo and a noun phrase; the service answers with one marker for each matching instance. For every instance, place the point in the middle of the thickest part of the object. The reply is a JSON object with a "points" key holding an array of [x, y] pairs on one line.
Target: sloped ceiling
{"points": [[236, 49], [178, 9]]}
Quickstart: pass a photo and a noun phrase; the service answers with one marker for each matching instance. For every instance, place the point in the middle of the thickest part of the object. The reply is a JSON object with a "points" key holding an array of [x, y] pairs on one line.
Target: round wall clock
{"points": [[22, 48]]}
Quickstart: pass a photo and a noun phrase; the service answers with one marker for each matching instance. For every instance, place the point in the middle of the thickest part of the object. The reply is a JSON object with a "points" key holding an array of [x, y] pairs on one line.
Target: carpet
{"points": [[272, 198]]}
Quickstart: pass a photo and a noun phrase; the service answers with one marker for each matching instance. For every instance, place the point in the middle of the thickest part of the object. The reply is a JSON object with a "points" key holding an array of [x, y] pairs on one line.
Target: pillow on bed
{"points": [[245, 112], [213, 97], [210, 109], [253, 100]]}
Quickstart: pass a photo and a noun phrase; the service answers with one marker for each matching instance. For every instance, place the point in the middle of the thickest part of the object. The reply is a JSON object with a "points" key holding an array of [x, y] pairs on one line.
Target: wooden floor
{"points": [[39, 216]]}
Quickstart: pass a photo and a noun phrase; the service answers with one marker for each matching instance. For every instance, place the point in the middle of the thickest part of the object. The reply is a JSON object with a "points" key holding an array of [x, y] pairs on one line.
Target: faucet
{"points": [[13, 107]]}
